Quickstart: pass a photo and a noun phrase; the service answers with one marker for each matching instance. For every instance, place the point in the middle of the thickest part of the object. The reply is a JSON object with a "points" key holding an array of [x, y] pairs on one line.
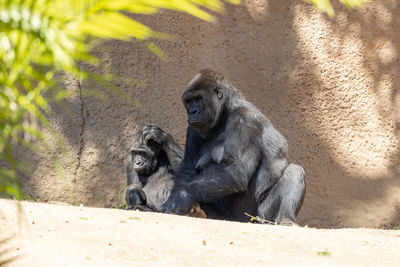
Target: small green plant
{"points": [[257, 219], [122, 206], [323, 253]]}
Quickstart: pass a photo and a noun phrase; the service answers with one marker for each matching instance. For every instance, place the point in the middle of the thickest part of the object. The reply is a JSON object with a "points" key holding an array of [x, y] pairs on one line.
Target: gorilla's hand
{"points": [[145, 208], [154, 134], [179, 202], [135, 197]]}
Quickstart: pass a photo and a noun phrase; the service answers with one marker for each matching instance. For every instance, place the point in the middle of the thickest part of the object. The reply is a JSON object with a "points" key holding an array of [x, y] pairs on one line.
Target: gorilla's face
{"points": [[203, 100], [197, 108], [144, 159]]}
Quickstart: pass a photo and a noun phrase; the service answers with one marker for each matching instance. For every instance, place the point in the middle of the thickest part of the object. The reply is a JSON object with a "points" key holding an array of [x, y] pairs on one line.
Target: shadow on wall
{"points": [[330, 86], [350, 66]]}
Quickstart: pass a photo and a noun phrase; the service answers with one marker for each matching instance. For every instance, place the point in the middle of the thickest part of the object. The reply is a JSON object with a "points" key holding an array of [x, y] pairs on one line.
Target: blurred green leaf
{"points": [[325, 5], [353, 3]]}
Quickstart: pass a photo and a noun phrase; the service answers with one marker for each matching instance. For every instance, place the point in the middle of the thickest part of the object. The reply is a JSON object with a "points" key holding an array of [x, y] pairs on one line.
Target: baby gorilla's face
{"points": [[143, 161]]}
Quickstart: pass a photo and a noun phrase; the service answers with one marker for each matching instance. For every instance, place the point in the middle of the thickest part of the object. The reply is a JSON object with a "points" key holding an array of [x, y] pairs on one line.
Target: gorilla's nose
{"points": [[139, 162], [194, 111]]}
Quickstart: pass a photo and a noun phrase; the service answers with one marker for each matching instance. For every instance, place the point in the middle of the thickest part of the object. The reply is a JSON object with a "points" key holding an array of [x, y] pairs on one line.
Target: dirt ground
{"points": [[57, 235]]}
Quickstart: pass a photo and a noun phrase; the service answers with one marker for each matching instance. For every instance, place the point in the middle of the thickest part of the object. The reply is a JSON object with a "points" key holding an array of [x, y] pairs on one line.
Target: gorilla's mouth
{"points": [[196, 121], [140, 169]]}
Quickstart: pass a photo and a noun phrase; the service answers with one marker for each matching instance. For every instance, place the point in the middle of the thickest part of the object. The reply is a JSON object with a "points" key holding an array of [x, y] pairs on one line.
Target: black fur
{"points": [[235, 161], [152, 158]]}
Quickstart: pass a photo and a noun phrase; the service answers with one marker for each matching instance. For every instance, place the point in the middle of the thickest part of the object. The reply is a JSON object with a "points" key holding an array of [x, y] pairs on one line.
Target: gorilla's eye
{"points": [[138, 153], [142, 154], [218, 92], [193, 100]]}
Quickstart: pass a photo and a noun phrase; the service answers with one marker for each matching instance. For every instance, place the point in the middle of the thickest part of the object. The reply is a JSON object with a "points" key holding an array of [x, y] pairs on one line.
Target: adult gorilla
{"points": [[235, 161]]}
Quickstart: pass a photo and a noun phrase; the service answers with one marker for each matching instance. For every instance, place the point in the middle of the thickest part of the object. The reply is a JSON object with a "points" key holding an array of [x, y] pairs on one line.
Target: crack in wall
{"points": [[82, 128]]}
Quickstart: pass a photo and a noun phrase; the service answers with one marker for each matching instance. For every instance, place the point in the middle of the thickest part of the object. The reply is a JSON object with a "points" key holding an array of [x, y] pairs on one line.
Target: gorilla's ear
{"points": [[218, 92]]}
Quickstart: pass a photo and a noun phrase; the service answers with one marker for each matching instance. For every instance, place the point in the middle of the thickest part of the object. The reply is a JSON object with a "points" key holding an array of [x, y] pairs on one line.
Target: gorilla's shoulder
{"points": [[247, 111]]}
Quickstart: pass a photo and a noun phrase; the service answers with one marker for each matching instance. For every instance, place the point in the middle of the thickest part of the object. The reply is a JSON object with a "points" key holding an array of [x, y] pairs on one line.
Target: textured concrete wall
{"points": [[329, 86]]}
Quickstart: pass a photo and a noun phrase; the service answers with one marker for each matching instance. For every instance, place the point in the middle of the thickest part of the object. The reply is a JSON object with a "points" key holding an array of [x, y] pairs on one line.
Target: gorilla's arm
{"points": [[134, 194], [166, 141], [225, 178], [132, 176], [219, 179], [187, 169], [174, 152]]}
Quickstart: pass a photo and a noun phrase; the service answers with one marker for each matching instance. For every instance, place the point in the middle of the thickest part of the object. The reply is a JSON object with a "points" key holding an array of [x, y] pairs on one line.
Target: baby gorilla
{"points": [[153, 156]]}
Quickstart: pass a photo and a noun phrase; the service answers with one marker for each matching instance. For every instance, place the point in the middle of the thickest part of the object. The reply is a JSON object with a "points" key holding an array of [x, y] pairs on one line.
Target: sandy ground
{"points": [[57, 235]]}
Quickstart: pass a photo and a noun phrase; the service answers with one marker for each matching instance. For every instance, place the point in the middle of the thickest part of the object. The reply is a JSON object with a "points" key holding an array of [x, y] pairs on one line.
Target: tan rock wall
{"points": [[329, 85]]}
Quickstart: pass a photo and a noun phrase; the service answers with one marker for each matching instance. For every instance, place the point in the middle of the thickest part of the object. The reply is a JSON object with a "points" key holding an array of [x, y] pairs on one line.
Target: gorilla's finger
{"points": [[180, 211], [168, 207]]}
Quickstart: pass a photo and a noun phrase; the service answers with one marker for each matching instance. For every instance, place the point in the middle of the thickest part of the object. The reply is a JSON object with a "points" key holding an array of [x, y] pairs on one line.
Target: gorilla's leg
{"points": [[285, 197]]}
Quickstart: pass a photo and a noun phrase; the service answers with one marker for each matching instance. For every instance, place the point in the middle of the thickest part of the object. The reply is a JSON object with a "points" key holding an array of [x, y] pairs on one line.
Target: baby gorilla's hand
{"points": [[134, 197], [154, 134]]}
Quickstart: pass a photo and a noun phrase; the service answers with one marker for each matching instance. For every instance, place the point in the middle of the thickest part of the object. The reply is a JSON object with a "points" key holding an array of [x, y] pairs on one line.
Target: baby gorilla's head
{"points": [[144, 155]]}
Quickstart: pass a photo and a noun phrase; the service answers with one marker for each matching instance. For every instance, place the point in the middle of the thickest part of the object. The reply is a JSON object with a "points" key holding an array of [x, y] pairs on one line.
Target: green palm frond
{"points": [[325, 5]]}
